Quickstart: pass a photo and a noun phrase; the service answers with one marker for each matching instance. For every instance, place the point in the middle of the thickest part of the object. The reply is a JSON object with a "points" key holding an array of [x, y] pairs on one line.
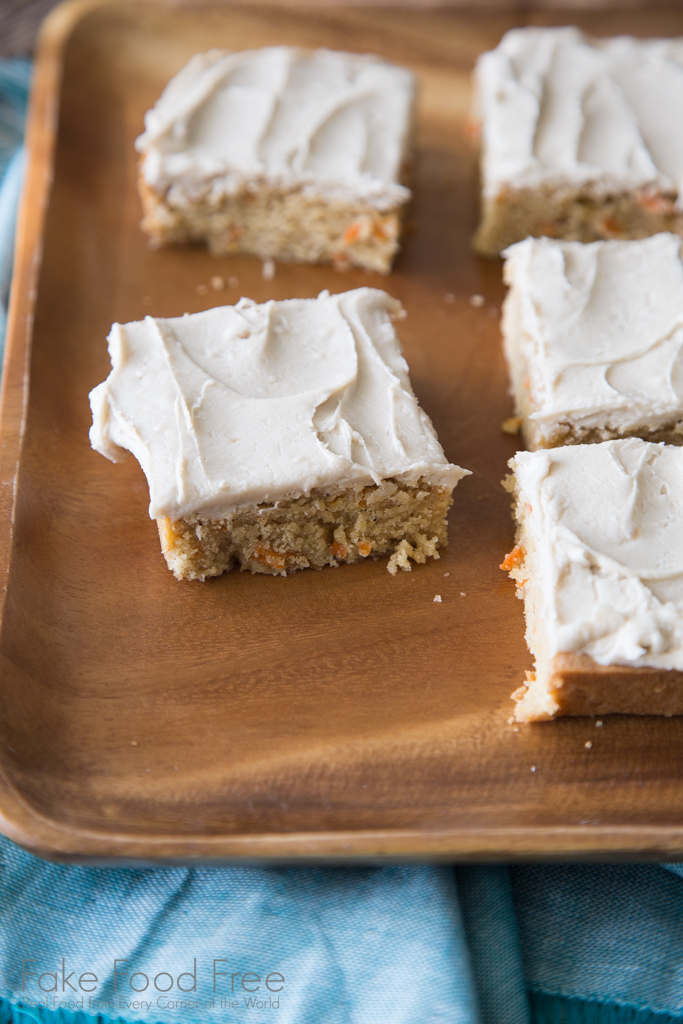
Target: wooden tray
{"points": [[335, 714]]}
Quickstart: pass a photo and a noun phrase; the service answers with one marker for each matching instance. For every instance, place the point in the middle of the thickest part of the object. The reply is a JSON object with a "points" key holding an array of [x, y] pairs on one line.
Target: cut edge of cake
{"points": [[283, 224], [321, 528], [586, 212]]}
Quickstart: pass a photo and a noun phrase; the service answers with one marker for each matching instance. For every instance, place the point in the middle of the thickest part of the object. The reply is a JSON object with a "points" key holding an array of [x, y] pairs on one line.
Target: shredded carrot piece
{"points": [[352, 233], [609, 227], [654, 203], [364, 548], [513, 559], [338, 550], [275, 559], [340, 261], [359, 230], [472, 129]]}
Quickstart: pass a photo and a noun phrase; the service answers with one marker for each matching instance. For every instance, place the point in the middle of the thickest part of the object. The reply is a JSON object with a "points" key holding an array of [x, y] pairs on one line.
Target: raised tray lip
{"points": [[52, 840]]}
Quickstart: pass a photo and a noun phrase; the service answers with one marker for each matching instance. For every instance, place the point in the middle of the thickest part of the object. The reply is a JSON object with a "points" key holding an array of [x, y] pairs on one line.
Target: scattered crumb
{"points": [[268, 269], [147, 300], [201, 289], [463, 594], [175, 767], [437, 598], [511, 720], [233, 282], [533, 767], [446, 574], [133, 743], [588, 744], [516, 728], [598, 724], [449, 297], [477, 300], [511, 425], [217, 283], [492, 311]]}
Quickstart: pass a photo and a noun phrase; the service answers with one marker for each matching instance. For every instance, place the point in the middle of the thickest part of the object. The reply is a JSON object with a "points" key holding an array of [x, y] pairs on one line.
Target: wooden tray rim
{"points": [[47, 838]]}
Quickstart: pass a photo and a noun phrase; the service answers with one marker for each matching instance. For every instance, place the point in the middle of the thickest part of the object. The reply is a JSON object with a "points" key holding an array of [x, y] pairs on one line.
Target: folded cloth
{"points": [[14, 81], [560, 944], [288, 945]]}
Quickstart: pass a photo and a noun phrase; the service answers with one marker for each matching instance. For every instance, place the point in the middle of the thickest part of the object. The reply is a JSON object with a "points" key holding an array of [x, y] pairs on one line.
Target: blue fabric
{"points": [[347, 942], [610, 931], [14, 82], [560, 944]]}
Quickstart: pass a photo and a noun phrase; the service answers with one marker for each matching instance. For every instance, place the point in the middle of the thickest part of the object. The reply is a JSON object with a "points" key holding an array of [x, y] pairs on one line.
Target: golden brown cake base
{"points": [[566, 433], [314, 530], [574, 684], [576, 213], [280, 224]]}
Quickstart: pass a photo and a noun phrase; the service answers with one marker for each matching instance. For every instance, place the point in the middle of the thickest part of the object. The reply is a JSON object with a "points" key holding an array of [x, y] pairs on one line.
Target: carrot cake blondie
{"points": [[593, 336], [578, 137], [599, 564], [277, 436], [285, 153]]}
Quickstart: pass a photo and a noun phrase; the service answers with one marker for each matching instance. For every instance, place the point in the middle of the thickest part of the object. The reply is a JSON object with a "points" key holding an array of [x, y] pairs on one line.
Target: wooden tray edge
{"points": [[45, 837]]}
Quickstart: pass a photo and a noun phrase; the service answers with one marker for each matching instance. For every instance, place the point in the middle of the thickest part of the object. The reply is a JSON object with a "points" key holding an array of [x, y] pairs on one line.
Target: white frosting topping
{"points": [[598, 331], [607, 523], [333, 123], [557, 105], [251, 403]]}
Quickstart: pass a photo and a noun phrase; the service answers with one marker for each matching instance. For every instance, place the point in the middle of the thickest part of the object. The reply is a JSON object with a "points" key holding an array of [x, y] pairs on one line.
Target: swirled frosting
{"points": [[595, 332], [333, 123], [557, 105], [251, 403], [607, 527]]}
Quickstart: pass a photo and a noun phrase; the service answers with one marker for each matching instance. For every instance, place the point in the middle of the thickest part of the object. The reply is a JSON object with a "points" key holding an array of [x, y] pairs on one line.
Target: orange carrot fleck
{"points": [[338, 550], [472, 129], [364, 548], [655, 203], [275, 559], [513, 559], [609, 227]]}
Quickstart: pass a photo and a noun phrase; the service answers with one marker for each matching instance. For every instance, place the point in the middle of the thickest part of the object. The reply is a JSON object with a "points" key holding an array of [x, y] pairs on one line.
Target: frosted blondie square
{"points": [[598, 565], [579, 137], [593, 337], [277, 436], [283, 153]]}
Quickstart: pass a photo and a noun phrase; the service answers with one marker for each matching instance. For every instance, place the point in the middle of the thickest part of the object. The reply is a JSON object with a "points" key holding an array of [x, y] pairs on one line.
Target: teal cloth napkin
{"points": [[561, 944]]}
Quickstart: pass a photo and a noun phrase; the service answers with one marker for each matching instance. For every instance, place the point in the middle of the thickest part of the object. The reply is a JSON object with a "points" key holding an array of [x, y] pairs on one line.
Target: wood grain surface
{"points": [[334, 714], [19, 19]]}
